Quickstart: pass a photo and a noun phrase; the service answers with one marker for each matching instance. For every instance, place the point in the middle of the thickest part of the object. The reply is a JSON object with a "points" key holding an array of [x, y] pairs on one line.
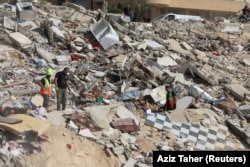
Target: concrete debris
{"points": [[20, 40], [125, 125], [25, 11], [119, 70]]}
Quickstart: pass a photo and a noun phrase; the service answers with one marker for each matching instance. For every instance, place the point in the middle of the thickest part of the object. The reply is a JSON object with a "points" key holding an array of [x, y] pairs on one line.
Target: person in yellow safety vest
{"points": [[45, 84]]}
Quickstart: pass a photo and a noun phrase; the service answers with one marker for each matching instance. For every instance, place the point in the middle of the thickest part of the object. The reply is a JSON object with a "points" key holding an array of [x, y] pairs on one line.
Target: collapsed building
{"points": [[119, 71]]}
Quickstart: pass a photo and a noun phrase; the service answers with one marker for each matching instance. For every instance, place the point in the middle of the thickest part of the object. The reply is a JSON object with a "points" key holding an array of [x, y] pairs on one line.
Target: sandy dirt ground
{"points": [[83, 152]]}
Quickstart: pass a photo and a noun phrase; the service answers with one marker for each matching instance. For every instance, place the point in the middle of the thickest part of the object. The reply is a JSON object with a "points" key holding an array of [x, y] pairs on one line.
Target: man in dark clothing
{"points": [[61, 83], [245, 13], [127, 11]]}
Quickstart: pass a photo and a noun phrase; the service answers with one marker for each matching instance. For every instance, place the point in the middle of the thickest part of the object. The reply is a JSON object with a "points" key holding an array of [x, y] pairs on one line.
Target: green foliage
{"points": [[113, 9], [141, 10]]}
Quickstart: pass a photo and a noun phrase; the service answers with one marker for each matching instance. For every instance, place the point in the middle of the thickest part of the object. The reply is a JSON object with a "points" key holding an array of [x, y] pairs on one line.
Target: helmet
{"points": [[49, 71]]}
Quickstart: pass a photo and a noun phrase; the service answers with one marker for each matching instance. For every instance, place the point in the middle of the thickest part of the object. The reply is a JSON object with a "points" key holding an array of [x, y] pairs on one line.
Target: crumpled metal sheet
{"points": [[104, 33]]}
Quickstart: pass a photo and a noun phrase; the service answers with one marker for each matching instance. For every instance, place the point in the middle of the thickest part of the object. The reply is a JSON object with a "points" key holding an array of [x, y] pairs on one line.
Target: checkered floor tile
{"points": [[211, 136]]}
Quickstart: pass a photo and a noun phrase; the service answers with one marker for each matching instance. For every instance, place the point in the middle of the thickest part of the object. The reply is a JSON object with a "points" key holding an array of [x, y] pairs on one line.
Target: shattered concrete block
{"points": [[205, 74], [130, 163], [78, 44], [165, 148], [20, 40], [37, 100], [154, 45], [122, 158], [246, 61], [237, 90], [141, 165], [8, 23], [56, 22], [184, 102], [120, 60], [230, 27], [238, 131], [143, 45], [166, 61], [186, 46], [127, 139], [26, 11], [9, 8], [109, 145], [118, 150], [138, 72], [25, 91], [126, 39], [119, 27], [48, 56], [126, 125], [124, 113], [108, 152], [62, 60], [245, 108], [175, 46], [58, 32], [158, 94]]}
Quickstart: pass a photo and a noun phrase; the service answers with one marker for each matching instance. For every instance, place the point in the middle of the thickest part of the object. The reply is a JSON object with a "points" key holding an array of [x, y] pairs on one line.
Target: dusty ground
{"points": [[84, 152]]}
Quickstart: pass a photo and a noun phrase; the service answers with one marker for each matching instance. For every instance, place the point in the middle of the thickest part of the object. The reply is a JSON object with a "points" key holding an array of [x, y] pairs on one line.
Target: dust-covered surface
{"points": [[118, 74]]}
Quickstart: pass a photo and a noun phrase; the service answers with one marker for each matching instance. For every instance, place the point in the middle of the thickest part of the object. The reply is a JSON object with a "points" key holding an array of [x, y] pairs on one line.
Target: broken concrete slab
{"points": [[186, 46], [58, 32], [48, 56], [244, 107], [173, 45], [184, 102], [237, 90], [62, 60], [125, 125], [120, 60], [118, 150], [158, 94], [123, 112], [246, 61], [131, 162], [230, 27], [8, 23], [101, 114], [205, 72], [37, 100], [166, 61], [154, 45], [179, 78], [9, 8], [143, 45], [122, 158], [20, 40], [239, 131]]}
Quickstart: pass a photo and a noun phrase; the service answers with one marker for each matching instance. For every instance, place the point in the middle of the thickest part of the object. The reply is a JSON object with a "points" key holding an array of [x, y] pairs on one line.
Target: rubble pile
{"points": [[119, 71]]}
